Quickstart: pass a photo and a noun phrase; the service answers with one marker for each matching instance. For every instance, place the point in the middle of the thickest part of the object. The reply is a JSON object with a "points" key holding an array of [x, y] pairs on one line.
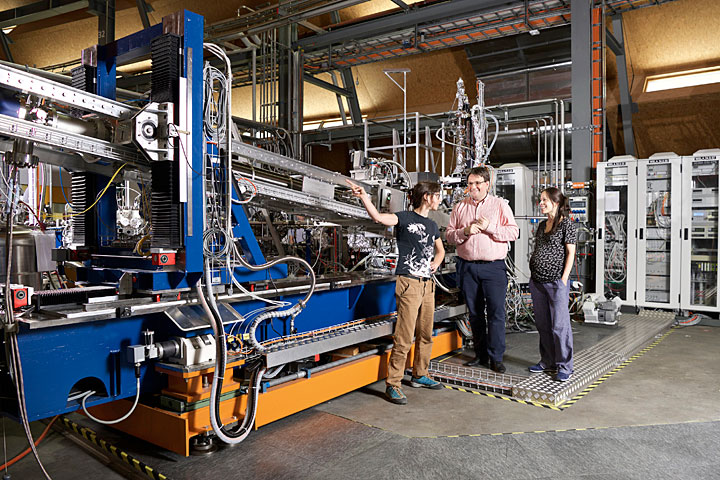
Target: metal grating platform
{"points": [[593, 362], [590, 364], [479, 378]]}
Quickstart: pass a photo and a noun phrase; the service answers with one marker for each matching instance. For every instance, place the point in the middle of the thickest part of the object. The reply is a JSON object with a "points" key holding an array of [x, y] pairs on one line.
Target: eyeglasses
{"points": [[438, 195], [477, 184]]}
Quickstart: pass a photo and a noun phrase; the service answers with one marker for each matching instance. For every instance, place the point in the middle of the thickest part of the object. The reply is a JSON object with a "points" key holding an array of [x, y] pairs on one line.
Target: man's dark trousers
{"points": [[484, 285]]}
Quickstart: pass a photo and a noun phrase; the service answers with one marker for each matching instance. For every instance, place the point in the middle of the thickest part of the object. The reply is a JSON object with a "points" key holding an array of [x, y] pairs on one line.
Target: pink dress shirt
{"points": [[491, 243]]}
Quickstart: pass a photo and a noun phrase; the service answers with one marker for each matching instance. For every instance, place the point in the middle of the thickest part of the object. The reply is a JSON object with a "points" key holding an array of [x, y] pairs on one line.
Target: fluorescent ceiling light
{"points": [[688, 78]]}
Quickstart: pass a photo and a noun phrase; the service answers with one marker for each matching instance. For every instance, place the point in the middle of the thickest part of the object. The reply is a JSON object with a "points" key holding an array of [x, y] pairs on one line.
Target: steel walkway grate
{"points": [[478, 378], [636, 331]]}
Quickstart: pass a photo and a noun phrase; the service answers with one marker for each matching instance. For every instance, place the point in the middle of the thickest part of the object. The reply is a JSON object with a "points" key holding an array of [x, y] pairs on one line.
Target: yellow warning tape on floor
{"points": [[624, 364], [92, 437], [502, 397], [578, 396], [582, 429]]}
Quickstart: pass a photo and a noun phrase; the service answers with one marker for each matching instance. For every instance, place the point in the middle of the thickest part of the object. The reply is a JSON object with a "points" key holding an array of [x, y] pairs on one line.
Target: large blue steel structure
{"points": [[90, 355]]}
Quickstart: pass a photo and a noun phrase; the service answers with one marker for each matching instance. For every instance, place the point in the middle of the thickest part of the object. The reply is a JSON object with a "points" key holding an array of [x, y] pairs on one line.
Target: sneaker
{"points": [[497, 366], [540, 368], [417, 382], [563, 376], [395, 395]]}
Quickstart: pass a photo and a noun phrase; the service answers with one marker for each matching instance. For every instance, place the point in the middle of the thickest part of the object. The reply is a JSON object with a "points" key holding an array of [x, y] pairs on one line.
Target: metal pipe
{"points": [[428, 151], [545, 147], [327, 366], [417, 141], [557, 155], [366, 136], [523, 104], [254, 86], [404, 162], [537, 123], [442, 155], [562, 146]]}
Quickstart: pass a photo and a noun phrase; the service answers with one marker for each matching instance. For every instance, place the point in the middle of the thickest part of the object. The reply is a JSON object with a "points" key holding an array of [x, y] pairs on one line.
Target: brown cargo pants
{"points": [[415, 314]]}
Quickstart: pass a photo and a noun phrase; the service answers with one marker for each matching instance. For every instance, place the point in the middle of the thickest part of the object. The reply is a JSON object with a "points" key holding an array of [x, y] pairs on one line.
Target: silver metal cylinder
{"points": [[24, 264]]}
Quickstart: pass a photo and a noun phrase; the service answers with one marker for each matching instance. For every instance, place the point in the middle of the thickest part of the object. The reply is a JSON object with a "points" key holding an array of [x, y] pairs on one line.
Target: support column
{"points": [[581, 51], [298, 95], [287, 36], [6, 46], [627, 107], [353, 104], [106, 22], [143, 9]]}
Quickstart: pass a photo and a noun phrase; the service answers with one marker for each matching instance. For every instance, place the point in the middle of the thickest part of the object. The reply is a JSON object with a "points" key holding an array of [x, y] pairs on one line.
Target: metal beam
{"points": [[519, 48], [327, 86], [617, 46], [401, 20], [353, 103], [284, 19], [341, 106], [581, 51], [39, 11], [6, 46], [30, 83], [105, 11], [311, 26], [626, 103], [401, 4], [143, 11]]}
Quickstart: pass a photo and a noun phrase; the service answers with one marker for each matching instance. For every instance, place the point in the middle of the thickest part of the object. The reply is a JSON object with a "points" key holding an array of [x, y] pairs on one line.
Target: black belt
{"points": [[420, 279], [484, 261]]}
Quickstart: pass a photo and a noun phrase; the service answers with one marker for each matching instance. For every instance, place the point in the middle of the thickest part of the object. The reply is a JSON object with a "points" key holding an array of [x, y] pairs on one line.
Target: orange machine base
{"points": [[173, 431]]}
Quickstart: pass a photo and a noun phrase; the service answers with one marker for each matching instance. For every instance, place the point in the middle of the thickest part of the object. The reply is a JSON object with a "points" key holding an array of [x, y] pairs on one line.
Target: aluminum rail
{"points": [[42, 87], [65, 79], [299, 199], [38, 133], [250, 154]]}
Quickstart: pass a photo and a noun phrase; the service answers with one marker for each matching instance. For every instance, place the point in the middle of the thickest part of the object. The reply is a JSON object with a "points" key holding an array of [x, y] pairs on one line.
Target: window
{"points": [[688, 78]]}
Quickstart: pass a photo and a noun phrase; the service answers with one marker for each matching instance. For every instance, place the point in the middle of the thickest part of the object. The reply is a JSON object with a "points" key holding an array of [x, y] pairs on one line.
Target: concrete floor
{"points": [[659, 417]]}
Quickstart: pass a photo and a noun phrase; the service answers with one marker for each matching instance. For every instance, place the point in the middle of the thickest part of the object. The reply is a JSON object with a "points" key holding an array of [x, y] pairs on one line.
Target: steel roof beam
{"points": [[326, 85], [401, 20], [39, 11]]}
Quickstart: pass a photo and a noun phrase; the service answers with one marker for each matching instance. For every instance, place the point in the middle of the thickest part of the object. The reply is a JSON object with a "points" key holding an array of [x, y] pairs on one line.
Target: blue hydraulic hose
{"points": [[62, 189]]}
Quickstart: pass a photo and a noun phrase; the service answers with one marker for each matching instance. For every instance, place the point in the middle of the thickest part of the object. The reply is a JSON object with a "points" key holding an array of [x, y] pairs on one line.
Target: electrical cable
{"points": [[99, 196], [15, 362], [62, 189], [124, 417], [24, 453], [407, 175], [243, 430]]}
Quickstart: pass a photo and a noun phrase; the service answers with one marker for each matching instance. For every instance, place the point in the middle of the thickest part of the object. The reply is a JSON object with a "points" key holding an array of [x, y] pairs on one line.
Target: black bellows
{"points": [[166, 68], [84, 226], [83, 78], [165, 209]]}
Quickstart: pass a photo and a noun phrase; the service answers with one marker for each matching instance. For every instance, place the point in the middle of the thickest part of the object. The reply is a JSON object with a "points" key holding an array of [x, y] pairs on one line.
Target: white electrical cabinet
{"points": [[514, 183], [701, 210], [658, 235], [616, 228]]}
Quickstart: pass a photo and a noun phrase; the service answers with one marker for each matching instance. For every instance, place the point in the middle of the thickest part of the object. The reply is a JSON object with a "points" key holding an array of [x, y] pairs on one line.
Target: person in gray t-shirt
{"points": [[420, 253]]}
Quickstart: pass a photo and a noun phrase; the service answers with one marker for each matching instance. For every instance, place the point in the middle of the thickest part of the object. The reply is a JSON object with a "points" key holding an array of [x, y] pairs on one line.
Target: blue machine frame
{"points": [[58, 359]]}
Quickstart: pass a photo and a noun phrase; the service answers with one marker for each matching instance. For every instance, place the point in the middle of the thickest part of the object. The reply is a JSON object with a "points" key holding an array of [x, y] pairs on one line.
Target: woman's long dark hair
{"points": [[563, 211], [420, 189]]}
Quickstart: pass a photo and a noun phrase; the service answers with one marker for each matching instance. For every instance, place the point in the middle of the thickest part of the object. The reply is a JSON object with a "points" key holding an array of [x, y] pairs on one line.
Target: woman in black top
{"points": [[550, 266]]}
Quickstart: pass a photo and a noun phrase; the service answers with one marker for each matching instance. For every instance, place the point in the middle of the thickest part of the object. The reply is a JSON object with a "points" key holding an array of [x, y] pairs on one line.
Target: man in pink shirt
{"points": [[481, 226]]}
